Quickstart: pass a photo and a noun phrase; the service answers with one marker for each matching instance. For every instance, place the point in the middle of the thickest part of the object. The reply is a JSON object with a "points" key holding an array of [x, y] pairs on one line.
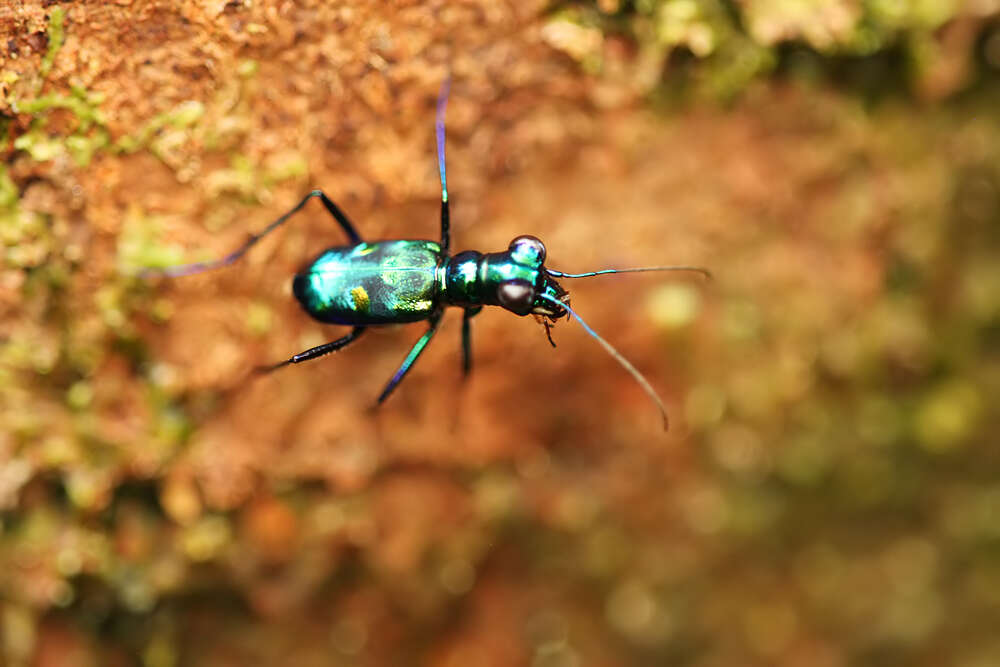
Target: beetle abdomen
{"points": [[371, 283]]}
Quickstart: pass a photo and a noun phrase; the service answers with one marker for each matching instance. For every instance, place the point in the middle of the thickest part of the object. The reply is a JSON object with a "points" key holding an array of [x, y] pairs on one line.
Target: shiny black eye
{"points": [[527, 250], [517, 296]]}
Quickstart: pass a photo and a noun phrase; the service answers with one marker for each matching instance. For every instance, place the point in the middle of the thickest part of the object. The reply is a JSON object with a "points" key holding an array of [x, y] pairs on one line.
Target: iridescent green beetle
{"points": [[399, 281]]}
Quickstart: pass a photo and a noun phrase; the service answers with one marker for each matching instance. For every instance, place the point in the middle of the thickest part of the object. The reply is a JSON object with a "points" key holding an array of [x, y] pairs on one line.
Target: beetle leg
{"points": [[411, 358], [313, 352], [337, 214], [198, 267], [469, 313], [442, 104]]}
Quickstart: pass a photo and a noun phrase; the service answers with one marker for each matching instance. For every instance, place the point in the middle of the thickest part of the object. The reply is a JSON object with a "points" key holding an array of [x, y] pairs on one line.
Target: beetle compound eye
{"points": [[527, 250], [517, 296]]}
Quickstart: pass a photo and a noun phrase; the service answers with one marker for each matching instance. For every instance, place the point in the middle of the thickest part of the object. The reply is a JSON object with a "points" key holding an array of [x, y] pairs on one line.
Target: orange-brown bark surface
{"points": [[827, 494]]}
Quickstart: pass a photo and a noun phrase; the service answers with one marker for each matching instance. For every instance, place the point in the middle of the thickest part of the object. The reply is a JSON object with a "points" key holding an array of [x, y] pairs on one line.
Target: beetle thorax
{"points": [[514, 279], [475, 279]]}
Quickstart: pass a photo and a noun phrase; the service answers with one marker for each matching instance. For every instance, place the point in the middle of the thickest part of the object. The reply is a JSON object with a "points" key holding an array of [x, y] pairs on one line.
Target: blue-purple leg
{"points": [[318, 351], [442, 105], [411, 358], [467, 339], [198, 267]]}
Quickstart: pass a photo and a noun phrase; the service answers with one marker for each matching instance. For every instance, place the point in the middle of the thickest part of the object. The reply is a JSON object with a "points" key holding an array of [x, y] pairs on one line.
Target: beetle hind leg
{"points": [[314, 352]]}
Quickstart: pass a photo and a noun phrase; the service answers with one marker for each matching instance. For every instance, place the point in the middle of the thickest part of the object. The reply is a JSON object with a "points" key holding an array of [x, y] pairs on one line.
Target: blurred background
{"points": [[829, 491]]}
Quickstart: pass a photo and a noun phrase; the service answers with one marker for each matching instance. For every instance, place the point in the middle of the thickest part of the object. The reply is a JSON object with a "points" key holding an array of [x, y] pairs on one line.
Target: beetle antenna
{"points": [[696, 269], [643, 382]]}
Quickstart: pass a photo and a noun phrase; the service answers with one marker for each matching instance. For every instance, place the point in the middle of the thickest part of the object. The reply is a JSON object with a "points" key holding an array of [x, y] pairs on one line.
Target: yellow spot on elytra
{"points": [[367, 250], [361, 301]]}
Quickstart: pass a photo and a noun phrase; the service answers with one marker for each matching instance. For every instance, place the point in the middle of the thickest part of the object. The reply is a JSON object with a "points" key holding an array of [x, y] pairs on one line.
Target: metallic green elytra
{"points": [[371, 283], [398, 281]]}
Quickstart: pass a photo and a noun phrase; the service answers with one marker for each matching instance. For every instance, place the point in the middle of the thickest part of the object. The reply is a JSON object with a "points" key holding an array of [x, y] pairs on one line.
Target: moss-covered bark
{"points": [[828, 493]]}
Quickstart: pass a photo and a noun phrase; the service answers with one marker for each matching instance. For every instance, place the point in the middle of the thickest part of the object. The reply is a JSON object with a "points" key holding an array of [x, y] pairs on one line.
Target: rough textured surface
{"points": [[828, 494]]}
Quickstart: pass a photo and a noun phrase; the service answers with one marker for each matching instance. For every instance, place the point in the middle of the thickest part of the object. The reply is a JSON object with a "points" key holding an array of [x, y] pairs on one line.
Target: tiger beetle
{"points": [[400, 281]]}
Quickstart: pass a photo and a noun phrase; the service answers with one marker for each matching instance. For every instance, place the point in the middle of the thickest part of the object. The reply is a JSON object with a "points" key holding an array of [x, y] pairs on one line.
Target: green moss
{"points": [[731, 44], [948, 416], [259, 319], [248, 68], [88, 136], [205, 539], [239, 179], [8, 193], [140, 246], [25, 238], [287, 167], [79, 395], [184, 115], [161, 652], [56, 38]]}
